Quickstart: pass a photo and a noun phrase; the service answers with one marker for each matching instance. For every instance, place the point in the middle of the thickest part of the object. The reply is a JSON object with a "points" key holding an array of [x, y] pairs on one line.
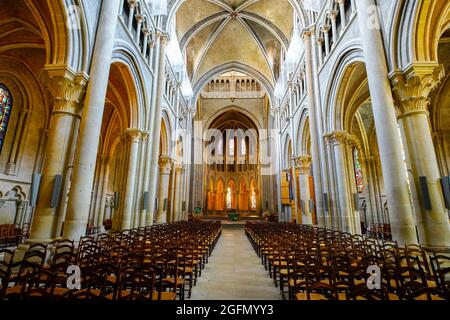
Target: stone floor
{"points": [[234, 272]]}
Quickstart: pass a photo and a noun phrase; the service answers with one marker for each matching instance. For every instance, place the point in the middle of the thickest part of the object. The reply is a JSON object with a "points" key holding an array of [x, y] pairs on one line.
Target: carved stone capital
{"points": [[132, 3], [325, 28], [66, 88], [306, 34], [303, 164], [140, 18], [163, 36], [144, 136], [336, 137], [165, 164], [412, 87], [146, 32], [333, 14], [134, 135], [179, 169]]}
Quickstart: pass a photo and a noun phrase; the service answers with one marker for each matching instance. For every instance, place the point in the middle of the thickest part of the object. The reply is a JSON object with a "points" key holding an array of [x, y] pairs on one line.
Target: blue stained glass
{"points": [[6, 103]]}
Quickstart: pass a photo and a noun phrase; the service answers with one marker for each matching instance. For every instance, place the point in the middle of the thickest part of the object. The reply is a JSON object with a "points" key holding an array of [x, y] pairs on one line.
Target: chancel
{"points": [[224, 150]]}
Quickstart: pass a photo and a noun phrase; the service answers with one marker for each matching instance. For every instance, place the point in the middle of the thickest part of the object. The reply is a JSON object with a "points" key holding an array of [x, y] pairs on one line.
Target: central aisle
{"points": [[234, 272]]}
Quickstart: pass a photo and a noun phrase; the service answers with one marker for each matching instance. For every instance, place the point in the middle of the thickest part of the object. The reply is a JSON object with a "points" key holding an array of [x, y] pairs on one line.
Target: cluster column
{"points": [[163, 39], [412, 90], [177, 214], [303, 165], [313, 126], [394, 173], [165, 169], [338, 140], [104, 189], [90, 128], [133, 136], [67, 89]]}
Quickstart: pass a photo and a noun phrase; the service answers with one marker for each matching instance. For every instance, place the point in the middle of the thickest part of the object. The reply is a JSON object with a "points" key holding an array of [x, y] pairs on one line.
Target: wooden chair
{"points": [[440, 265], [361, 292], [17, 279], [136, 286]]}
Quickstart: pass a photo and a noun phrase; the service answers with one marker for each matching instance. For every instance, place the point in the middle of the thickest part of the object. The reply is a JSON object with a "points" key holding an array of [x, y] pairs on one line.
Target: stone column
{"points": [[140, 20], [412, 90], [296, 206], [333, 15], [134, 136], [313, 127], [21, 206], [369, 191], [120, 180], [90, 128], [303, 165], [394, 174], [333, 220], [132, 4], [342, 13], [156, 128], [146, 33], [353, 5], [104, 190], [326, 36], [176, 212], [319, 51], [94, 195], [97, 194], [439, 145], [67, 89], [139, 217], [147, 215], [339, 140], [67, 181], [184, 192], [165, 169], [352, 144]]}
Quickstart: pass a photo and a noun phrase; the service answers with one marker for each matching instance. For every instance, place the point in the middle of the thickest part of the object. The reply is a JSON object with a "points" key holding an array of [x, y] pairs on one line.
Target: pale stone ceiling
{"points": [[252, 32]]}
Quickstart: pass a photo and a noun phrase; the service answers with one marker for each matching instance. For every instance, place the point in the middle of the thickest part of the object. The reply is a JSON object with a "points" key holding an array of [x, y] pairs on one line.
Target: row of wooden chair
{"points": [[312, 263], [160, 262], [12, 235]]}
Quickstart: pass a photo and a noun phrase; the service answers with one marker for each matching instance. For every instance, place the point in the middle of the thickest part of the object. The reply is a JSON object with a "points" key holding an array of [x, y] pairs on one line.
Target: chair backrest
{"points": [[137, 286], [361, 292]]}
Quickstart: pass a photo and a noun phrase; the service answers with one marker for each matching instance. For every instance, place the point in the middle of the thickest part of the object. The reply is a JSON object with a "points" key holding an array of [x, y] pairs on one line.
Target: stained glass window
{"points": [[253, 199], [6, 103], [358, 172]]}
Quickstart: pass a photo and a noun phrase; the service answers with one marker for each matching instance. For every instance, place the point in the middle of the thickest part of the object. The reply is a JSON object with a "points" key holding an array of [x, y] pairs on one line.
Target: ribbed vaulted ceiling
{"points": [[251, 32]]}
